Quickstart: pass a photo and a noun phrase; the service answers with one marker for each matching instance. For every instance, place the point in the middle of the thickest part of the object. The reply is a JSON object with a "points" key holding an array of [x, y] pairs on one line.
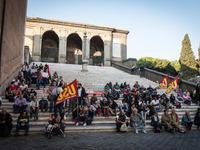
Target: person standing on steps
{"points": [[141, 71], [81, 94], [39, 78], [52, 95]]}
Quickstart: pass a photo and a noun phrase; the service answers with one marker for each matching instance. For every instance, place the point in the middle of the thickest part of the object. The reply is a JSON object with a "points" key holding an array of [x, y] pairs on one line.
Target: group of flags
{"points": [[164, 83]]}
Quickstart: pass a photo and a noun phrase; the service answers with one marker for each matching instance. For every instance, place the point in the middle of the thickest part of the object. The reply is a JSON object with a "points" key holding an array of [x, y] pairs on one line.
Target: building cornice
{"points": [[73, 24]]}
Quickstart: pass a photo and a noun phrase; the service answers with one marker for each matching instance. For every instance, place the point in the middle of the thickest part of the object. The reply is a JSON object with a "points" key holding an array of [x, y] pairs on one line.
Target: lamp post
{"points": [[84, 59]]}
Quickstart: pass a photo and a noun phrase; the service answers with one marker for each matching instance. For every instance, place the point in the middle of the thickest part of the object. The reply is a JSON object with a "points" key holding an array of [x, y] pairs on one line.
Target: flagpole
{"points": [[77, 106]]}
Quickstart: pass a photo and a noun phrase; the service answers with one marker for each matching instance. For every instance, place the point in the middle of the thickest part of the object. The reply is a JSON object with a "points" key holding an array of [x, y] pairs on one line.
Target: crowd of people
{"points": [[131, 105]]}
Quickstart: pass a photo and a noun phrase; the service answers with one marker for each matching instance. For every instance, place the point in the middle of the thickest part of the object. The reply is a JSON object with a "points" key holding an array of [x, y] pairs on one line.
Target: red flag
{"points": [[163, 83], [47, 69], [69, 92], [173, 85]]}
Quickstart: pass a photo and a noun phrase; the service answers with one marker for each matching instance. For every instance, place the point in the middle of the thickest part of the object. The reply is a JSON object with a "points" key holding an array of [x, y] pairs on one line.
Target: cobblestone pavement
{"points": [[89, 141]]}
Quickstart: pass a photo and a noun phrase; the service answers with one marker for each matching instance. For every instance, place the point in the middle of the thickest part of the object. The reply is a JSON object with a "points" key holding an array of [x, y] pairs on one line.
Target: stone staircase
{"points": [[100, 123], [93, 81]]}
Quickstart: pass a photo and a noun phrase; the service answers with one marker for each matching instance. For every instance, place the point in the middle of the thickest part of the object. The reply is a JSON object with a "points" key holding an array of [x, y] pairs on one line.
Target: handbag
{"points": [[123, 128]]}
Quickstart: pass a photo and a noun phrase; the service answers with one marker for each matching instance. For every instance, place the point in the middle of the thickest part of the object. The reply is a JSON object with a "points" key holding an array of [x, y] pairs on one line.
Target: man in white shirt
{"points": [[156, 103], [23, 86], [45, 77]]}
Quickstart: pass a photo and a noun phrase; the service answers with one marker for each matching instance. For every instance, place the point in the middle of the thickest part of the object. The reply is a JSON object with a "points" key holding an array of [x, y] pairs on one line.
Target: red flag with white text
{"points": [[69, 92], [173, 85]]}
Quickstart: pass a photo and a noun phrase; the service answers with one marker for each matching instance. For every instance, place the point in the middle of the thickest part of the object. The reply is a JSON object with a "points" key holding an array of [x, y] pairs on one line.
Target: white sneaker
{"points": [[77, 124], [136, 131], [144, 131], [84, 124]]}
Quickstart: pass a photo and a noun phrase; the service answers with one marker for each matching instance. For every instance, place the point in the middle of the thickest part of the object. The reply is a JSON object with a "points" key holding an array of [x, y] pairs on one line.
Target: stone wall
{"points": [[155, 75], [12, 40]]}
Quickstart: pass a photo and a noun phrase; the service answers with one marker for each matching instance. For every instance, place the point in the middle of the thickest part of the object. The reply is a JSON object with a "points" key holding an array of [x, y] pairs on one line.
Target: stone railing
{"points": [[155, 75]]}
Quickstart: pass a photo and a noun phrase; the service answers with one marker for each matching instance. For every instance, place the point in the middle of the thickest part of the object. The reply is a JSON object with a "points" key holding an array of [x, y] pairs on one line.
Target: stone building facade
{"points": [[12, 28], [62, 42]]}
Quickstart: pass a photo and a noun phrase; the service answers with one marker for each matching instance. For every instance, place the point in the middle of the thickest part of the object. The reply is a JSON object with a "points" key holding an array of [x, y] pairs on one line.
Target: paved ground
{"points": [[89, 141]]}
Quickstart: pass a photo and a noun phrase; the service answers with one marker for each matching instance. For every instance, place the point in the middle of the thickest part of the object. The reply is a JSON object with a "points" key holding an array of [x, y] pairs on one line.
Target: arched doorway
{"points": [[96, 50], [50, 47], [74, 49]]}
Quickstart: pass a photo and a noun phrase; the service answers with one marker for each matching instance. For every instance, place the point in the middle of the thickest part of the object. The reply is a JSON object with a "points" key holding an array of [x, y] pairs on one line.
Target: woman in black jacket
{"points": [[156, 123]]}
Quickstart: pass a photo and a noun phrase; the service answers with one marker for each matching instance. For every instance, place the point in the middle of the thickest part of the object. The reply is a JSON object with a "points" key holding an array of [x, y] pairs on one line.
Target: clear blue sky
{"points": [[157, 27]]}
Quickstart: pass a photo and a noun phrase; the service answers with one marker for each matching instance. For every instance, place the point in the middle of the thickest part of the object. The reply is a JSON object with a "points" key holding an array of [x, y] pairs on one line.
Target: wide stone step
{"points": [[89, 128]]}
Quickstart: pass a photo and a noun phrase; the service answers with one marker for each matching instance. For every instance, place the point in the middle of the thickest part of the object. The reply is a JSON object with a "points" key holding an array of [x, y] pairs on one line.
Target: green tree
{"points": [[176, 65], [187, 60], [198, 60]]}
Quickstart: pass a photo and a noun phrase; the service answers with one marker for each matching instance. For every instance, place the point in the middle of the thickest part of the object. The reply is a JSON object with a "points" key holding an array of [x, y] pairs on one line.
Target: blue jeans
{"points": [[59, 106], [18, 127], [158, 109], [38, 83], [19, 108], [45, 81], [53, 100], [143, 113], [187, 102], [138, 125], [85, 118]]}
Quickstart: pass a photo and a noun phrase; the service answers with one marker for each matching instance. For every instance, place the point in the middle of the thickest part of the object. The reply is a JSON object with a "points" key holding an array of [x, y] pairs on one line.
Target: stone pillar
{"points": [[124, 48], [88, 49], [62, 50], [84, 56], [107, 53], [37, 42]]}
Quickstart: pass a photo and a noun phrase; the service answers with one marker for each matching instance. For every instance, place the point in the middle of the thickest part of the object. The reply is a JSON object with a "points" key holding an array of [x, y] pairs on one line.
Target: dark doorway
{"points": [[96, 50], [50, 47], [74, 49]]}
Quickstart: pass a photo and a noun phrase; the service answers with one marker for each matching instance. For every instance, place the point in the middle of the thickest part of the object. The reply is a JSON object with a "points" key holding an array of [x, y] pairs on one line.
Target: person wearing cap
{"points": [[5, 123]]}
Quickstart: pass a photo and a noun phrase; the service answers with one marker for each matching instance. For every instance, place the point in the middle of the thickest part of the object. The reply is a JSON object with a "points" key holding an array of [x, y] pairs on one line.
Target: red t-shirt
{"points": [[13, 87]]}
